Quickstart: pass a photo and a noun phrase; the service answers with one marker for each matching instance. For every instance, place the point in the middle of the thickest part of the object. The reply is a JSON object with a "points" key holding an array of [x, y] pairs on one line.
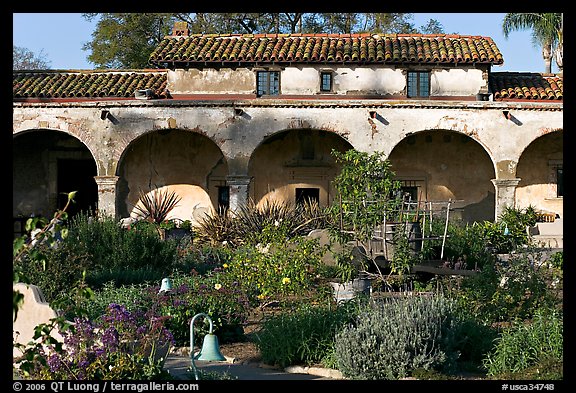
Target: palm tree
{"points": [[547, 29]]}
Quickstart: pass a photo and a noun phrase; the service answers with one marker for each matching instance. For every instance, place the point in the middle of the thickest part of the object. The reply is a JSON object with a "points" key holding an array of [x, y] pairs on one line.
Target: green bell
{"points": [[210, 350], [166, 285]]}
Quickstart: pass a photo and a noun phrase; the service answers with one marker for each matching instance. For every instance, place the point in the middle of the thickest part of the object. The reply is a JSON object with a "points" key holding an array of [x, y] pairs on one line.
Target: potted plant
{"points": [[350, 278]]}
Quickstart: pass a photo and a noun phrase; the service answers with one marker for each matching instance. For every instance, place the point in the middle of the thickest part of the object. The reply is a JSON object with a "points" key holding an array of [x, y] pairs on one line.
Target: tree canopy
{"points": [[25, 59], [125, 40], [547, 32]]}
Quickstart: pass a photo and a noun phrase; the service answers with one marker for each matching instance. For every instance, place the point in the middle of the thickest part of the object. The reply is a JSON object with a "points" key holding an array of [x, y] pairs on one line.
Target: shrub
{"points": [[525, 344], [214, 294], [305, 336], [202, 259], [269, 271], [134, 298], [62, 270], [508, 290], [119, 345], [115, 249], [392, 338], [465, 244]]}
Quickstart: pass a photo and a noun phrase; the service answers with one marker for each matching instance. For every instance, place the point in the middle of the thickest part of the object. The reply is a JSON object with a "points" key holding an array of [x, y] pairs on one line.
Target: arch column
{"points": [[106, 195], [505, 194], [239, 188]]}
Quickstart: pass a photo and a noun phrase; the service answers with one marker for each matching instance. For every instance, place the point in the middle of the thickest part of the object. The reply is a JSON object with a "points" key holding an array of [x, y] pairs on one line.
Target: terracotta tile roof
{"points": [[525, 85], [325, 49], [87, 83]]}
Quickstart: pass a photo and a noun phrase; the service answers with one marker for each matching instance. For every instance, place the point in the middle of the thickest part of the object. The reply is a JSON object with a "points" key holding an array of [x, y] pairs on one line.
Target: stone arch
{"points": [[540, 170], [188, 163], [442, 165], [48, 164], [293, 161]]}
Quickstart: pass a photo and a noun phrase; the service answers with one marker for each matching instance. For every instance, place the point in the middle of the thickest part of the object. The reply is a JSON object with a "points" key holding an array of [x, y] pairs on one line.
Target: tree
{"points": [[125, 40], [25, 59], [547, 31], [432, 27]]}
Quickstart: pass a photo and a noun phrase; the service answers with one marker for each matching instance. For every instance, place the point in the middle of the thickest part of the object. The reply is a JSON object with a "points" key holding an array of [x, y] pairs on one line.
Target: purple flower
{"points": [[55, 363]]}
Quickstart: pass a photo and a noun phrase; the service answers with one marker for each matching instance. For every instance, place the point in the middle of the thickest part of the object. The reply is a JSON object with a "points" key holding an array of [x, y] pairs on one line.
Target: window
{"points": [[559, 182], [418, 84], [325, 81], [268, 83], [307, 195]]}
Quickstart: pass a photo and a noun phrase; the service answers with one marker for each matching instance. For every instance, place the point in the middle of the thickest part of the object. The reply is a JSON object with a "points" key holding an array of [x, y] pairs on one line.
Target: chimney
{"points": [[180, 29]]}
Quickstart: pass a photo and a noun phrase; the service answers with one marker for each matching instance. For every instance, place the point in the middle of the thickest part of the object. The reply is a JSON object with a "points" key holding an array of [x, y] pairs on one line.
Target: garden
{"points": [[503, 320]]}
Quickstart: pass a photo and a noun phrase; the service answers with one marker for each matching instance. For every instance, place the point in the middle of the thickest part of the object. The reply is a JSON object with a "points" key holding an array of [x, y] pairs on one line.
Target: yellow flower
{"points": [[286, 280], [217, 286], [261, 296], [225, 265]]}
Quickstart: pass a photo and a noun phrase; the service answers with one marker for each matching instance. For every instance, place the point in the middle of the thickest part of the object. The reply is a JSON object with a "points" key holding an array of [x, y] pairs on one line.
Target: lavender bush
{"points": [[118, 345]]}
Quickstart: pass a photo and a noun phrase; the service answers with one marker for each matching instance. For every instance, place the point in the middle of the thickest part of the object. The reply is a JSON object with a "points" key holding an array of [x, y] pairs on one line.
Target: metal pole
{"points": [[445, 230], [192, 339]]}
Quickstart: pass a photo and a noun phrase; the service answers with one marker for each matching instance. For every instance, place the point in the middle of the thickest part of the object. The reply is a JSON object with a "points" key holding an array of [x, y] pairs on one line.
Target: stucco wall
{"points": [[447, 166], [305, 80], [184, 162], [295, 159], [213, 143], [537, 171]]}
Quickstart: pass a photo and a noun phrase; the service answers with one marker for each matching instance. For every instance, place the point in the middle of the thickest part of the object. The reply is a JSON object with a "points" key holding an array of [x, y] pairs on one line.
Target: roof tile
{"points": [[87, 84], [325, 48], [525, 85]]}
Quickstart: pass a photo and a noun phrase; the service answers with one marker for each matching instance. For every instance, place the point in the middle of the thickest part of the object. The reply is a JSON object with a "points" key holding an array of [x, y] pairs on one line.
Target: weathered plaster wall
{"points": [[187, 163], [295, 159], [210, 133], [456, 82], [448, 166], [537, 171], [305, 80], [211, 81]]}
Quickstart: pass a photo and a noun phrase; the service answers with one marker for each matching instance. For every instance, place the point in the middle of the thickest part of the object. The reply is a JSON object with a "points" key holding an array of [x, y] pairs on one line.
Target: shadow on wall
{"points": [[480, 211]]}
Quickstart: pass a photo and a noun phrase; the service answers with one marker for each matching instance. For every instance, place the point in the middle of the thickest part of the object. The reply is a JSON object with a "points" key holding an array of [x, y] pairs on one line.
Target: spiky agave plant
{"points": [[216, 229], [156, 205]]}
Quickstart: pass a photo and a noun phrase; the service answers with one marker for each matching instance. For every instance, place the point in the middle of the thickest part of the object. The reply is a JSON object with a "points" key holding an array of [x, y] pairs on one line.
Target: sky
{"points": [[59, 37]]}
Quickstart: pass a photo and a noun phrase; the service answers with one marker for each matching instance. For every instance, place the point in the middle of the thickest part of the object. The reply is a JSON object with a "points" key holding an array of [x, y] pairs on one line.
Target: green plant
{"points": [[168, 224], [217, 229], [366, 196], [304, 336], [128, 255], [508, 290], [525, 344], [29, 252], [156, 205], [267, 272], [118, 345], [391, 338], [366, 192], [215, 294], [271, 222]]}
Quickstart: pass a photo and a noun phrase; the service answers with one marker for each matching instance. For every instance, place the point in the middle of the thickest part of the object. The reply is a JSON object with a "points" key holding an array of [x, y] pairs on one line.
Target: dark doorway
{"points": [[223, 198], [77, 175], [307, 195]]}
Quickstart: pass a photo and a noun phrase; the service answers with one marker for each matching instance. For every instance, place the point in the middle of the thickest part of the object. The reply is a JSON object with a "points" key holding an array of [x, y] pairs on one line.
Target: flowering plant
{"points": [[213, 293], [118, 345]]}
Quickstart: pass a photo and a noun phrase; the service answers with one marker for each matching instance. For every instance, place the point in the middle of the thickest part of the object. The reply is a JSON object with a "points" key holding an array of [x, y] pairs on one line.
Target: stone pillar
{"points": [[239, 186], [505, 194], [106, 195]]}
